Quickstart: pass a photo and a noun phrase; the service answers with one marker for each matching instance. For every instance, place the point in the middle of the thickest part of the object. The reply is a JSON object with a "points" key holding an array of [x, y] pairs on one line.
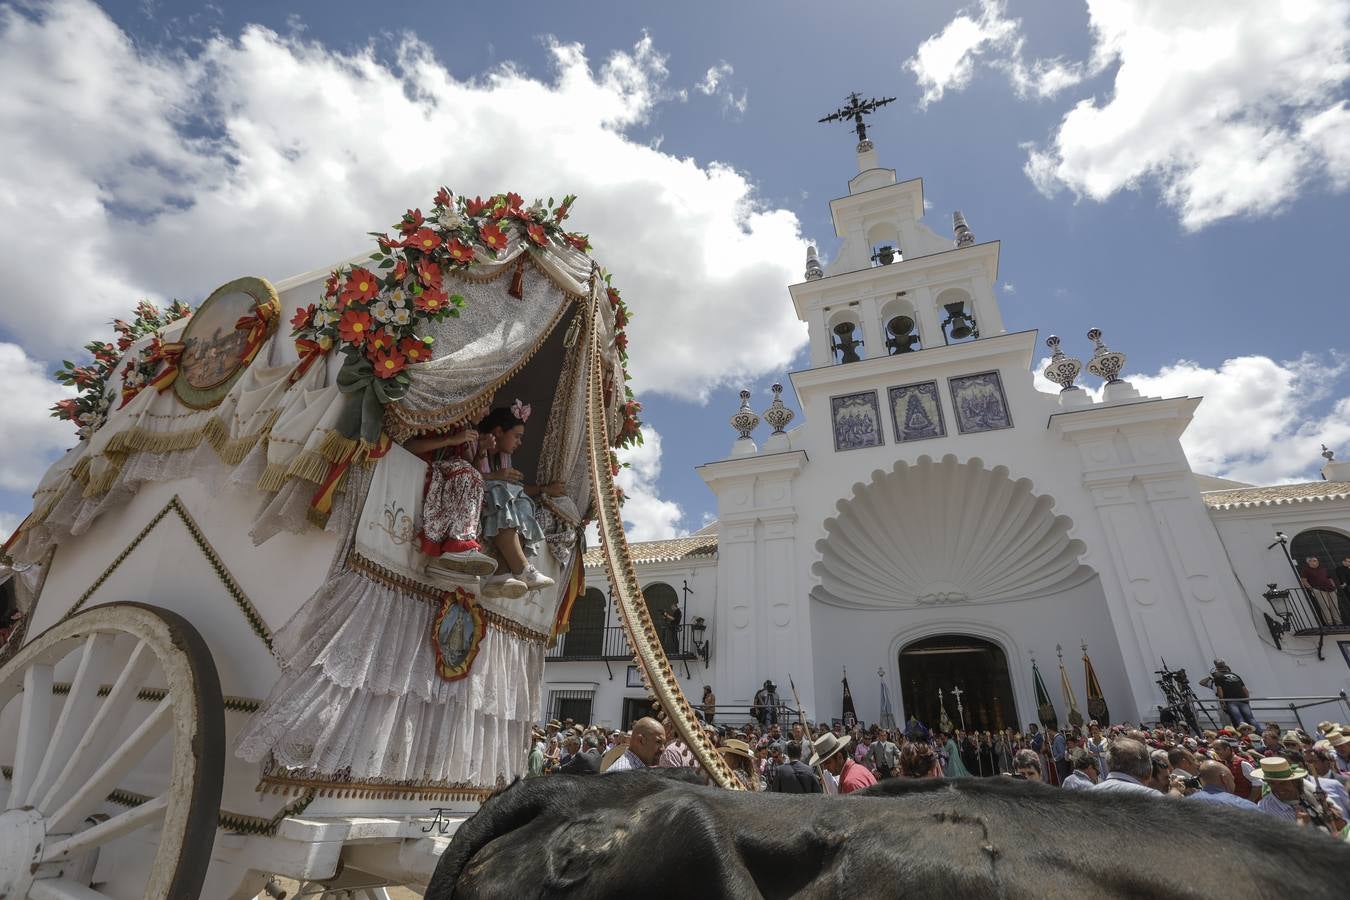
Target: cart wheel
{"points": [[72, 752]]}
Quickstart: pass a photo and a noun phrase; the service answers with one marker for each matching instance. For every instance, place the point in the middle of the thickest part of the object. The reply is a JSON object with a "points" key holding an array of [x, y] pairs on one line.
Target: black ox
{"points": [[648, 834]]}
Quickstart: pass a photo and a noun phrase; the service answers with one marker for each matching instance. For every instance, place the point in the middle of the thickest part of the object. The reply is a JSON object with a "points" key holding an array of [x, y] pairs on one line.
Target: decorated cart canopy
{"points": [[259, 467]]}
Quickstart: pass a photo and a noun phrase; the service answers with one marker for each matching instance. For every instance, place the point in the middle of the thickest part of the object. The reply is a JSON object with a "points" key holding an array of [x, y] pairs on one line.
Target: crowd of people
{"points": [[1292, 775]]}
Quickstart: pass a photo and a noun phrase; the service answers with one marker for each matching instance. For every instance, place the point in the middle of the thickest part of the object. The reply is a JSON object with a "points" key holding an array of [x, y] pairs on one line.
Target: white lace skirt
{"points": [[359, 695]]}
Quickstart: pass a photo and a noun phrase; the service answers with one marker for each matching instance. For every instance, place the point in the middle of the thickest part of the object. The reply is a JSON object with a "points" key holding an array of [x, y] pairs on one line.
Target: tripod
{"points": [[1181, 699]]}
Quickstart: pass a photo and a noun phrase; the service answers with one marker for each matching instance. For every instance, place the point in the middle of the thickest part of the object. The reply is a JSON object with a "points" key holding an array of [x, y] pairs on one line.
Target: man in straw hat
{"points": [[828, 754], [1340, 744], [1284, 799]]}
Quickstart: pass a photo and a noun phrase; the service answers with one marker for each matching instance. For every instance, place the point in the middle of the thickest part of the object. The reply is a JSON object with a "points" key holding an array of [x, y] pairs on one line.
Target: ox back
{"points": [[651, 834]]}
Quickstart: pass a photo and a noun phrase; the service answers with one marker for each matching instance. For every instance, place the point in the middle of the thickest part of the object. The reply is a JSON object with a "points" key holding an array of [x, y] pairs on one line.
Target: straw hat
{"points": [[1277, 768], [1337, 739], [827, 745], [737, 748]]}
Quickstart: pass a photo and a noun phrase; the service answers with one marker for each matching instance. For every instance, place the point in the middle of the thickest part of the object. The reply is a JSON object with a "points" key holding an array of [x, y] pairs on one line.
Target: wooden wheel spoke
{"points": [[75, 712], [147, 813], [85, 755], [118, 764], [34, 727]]}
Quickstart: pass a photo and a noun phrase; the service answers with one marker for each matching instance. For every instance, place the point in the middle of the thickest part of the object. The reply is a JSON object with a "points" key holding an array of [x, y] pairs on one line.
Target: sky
{"points": [[1173, 173]]}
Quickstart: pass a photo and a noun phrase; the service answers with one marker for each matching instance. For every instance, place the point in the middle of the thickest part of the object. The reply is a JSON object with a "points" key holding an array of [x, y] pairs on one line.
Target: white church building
{"points": [[936, 521]]}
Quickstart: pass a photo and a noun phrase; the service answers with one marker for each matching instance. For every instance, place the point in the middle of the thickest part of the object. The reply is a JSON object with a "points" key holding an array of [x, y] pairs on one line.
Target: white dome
{"points": [[945, 532]]}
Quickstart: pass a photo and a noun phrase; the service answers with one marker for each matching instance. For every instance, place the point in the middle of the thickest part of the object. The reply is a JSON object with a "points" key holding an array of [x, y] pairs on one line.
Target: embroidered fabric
{"points": [[359, 690]]}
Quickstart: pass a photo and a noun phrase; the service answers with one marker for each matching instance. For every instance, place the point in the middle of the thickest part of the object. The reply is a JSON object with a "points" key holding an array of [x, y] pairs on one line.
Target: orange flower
{"points": [[443, 197], [415, 349], [387, 365], [362, 285], [302, 317], [400, 270], [460, 253], [475, 206], [429, 273], [424, 239], [431, 300], [613, 297], [380, 340], [355, 326], [536, 233], [492, 236], [513, 199], [412, 220]]}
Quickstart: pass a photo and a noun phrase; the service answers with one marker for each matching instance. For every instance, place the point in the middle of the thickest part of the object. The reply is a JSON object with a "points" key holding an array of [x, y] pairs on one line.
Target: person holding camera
{"points": [[1232, 693]]}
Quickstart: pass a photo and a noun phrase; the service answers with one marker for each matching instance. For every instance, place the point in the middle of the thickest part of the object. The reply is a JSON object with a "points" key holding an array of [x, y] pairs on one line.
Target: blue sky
{"points": [[1205, 241]]}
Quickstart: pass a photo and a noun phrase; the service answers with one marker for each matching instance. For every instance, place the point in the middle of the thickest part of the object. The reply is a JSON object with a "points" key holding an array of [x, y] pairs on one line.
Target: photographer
{"points": [[1232, 692]]}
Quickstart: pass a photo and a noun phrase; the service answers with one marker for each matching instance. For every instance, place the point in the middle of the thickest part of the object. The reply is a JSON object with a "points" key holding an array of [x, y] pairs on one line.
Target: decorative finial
{"points": [[1105, 363], [1059, 651], [745, 421], [778, 415], [1085, 648], [813, 268], [855, 109], [1062, 369], [1328, 455], [964, 236]]}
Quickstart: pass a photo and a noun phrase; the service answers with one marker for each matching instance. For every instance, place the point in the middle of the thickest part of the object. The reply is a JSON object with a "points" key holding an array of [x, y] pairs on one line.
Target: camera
{"points": [[1190, 782]]}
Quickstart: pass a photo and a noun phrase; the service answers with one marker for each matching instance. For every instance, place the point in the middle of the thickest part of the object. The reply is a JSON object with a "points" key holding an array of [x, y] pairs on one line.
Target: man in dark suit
{"points": [[794, 776], [579, 762]]}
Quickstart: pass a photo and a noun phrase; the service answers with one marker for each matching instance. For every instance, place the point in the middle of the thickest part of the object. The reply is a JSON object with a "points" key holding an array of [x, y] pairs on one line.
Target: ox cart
{"points": [[230, 659]]}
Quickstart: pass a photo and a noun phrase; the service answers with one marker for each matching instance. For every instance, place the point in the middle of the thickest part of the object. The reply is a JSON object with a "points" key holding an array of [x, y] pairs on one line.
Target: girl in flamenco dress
{"points": [[453, 500], [955, 767], [508, 520]]}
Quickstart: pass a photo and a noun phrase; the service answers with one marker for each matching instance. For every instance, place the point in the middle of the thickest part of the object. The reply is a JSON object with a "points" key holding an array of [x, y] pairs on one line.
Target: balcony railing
{"points": [[1300, 612], [609, 643]]}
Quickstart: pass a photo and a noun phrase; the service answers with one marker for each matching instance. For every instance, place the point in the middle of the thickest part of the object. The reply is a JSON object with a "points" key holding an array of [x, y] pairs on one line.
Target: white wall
{"points": [[610, 685]]}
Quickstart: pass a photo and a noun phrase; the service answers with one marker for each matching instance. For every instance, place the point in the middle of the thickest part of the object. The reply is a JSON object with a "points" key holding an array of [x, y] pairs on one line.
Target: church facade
{"points": [[938, 523]]}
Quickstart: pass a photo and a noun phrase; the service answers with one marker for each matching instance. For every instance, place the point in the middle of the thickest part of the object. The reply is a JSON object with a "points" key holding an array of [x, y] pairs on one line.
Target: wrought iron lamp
{"points": [[698, 629], [958, 325], [1280, 604]]}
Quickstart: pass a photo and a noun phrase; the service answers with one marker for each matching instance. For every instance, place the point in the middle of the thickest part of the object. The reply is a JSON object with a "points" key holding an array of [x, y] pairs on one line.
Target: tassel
{"points": [[517, 288]]}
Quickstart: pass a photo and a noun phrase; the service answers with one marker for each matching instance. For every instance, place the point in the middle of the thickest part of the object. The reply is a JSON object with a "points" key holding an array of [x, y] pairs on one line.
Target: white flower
{"points": [[382, 312], [537, 212], [450, 219], [402, 316], [325, 317], [398, 297]]}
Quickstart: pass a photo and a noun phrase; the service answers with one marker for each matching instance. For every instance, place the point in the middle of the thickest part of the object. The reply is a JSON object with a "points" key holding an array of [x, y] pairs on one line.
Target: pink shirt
{"points": [[855, 777]]}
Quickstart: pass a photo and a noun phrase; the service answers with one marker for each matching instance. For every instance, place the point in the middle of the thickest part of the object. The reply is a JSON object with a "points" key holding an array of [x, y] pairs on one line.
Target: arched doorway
{"points": [[975, 666]]}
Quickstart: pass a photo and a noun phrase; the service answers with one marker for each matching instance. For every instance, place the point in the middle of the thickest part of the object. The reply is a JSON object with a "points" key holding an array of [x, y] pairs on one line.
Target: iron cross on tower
{"points": [[856, 108]]}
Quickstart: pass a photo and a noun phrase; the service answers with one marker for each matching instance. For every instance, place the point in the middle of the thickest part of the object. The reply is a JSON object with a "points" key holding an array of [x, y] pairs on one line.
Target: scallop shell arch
{"points": [[945, 532]]}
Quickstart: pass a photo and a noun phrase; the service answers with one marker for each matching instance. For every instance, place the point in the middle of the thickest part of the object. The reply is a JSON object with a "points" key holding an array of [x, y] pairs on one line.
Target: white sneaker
{"points": [[504, 585], [535, 580], [470, 562]]}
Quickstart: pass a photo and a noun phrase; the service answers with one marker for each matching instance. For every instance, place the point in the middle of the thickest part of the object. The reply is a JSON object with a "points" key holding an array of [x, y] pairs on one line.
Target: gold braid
{"points": [[648, 653]]}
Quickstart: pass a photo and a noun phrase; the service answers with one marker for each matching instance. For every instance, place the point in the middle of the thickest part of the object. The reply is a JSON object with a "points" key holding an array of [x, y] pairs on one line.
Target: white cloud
{"points": [[1259, 421], [946, 61], [145, 174], [714, 77], [32, 437], [1009, 287], [1229, 109], [715, 83], [647, 517]]}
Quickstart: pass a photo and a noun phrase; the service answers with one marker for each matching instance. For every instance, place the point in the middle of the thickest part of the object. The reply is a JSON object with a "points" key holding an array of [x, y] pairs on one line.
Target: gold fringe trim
{"points": [[141, 440], [273, 478], [101, 483], [233, 450], [80, 471], [502, 623], [390, 578], [310, 466], [371, 789]]}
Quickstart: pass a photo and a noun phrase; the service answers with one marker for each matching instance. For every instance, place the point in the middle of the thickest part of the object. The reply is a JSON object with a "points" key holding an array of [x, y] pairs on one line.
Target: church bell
{"points": [[902, 339], [961, 325], [847, 346]]}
